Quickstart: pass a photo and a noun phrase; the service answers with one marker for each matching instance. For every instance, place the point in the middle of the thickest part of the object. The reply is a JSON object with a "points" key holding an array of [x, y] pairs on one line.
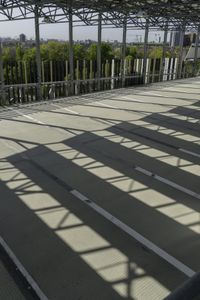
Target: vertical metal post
{"points": [[146, 35], [91, 77], [84, 70], [51, 71], [164, 51], [113, 74], [38, 55], [77, 78], [180, 65], [124, 36], [99, 51], [66, 70], [66, 77], [196, 50], [25, 72], [91, 70], [2, 95], [71, 51], [43, 75]]}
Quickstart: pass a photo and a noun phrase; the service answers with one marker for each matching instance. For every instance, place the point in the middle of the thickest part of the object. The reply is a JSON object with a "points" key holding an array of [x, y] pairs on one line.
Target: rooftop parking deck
{"points": [[100, 193]]}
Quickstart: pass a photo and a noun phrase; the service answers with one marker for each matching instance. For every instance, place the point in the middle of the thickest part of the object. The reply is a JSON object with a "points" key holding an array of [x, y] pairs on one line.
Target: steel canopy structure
{"points": [[177, 13]]}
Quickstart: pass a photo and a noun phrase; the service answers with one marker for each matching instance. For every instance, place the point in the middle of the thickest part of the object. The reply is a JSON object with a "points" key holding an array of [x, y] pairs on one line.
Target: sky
{"points": [[60, 31]]}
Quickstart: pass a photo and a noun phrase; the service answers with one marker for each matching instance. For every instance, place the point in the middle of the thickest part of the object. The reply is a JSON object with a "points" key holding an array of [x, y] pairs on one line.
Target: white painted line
{"points": [[182, 91], [79, 195], [64, 108], [168, 182], [26, 116], [146, 172], [23, 271], [37, 121], [189, 152], [107, 105], [137, 236], [132, 99], [33, 119], [153, 94], [177, 186]]}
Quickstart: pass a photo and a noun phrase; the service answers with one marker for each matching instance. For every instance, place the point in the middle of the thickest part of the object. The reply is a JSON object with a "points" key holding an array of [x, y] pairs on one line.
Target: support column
{"points": [[180, 63], [123, 67], [146, 35], [71, 51], [38, 55], [196, 50], [164, 50], [99, 51], [2, 95], [113, 74]]}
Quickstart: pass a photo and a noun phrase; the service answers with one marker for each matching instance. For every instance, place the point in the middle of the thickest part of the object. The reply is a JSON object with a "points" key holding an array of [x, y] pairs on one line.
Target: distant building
{"points": [[188, 40], [22, 38], [175, 38]]}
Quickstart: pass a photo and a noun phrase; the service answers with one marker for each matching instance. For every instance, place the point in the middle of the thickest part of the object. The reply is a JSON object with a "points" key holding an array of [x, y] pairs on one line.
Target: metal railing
{"points": [[23, 92]]}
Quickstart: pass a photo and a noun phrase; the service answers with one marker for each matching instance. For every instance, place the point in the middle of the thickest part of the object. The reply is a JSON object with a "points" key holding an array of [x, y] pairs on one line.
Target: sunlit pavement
{"points": [[100, 193]]}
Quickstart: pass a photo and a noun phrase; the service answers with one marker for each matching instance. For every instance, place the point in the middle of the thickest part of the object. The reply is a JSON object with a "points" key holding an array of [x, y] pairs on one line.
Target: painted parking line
{"points": [[168, 182], [121, 225], [25, 116], [63, 131], [132, 99], [130, 231], [66, 109], [134, 234], [189, 152], [179, 91], [22, 270], [149, 173], [103, 104], [167, 144], [152, 94], [107, 105]]}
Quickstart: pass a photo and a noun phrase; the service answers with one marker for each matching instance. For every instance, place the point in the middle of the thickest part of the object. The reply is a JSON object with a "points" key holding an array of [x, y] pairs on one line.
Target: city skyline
{"points": [[60, 32]]}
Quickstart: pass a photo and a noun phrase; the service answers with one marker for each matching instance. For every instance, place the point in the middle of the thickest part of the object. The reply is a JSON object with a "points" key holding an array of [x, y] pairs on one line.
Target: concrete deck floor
{"points": [[134, 153]]}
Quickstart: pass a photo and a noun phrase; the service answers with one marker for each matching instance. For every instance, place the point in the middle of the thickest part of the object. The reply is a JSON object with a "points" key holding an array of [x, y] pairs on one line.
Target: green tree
{"points": [[29, 54], [106, 52], [9, 54], [91, 53], [79, 52], [155, 52], [44, 52], [19, 52], [133, 52], [56, 50], [117, 53]]}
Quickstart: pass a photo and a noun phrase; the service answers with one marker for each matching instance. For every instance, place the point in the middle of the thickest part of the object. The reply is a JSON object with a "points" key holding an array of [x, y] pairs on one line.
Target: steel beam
{"points": [[124, 36], [38, 55], [71, 50], [146, 35], [86, 11], [99, 51]]}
